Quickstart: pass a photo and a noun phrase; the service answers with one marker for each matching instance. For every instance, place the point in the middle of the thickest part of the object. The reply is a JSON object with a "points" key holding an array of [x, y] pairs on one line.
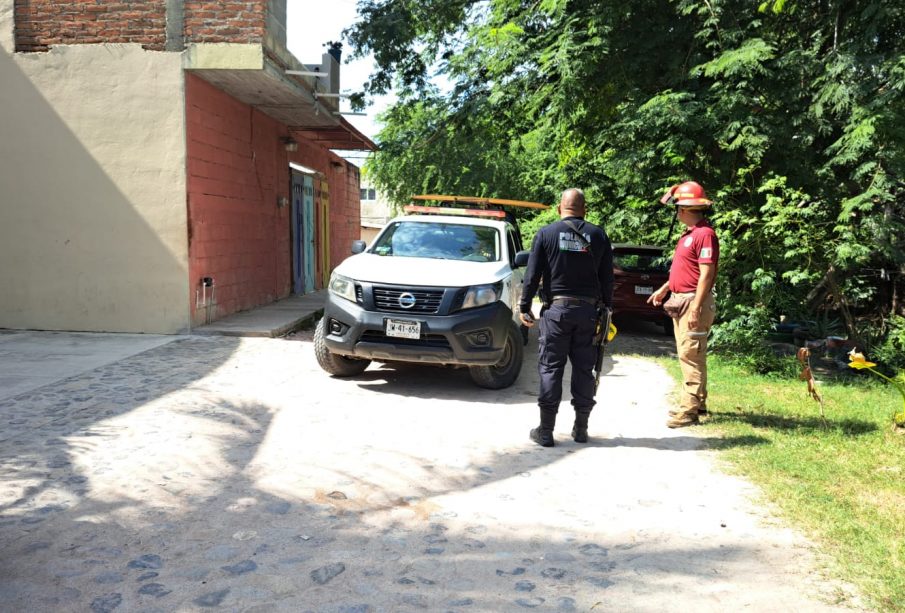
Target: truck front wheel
{"points": [[506, 371], [336, 365]]}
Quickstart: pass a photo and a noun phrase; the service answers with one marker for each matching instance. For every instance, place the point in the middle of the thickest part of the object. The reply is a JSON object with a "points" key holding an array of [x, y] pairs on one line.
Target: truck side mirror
{"points": [[521, 258], [358, 246]]}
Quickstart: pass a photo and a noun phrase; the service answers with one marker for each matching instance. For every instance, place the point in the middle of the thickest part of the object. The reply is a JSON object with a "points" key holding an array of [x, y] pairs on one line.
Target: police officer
{"points": [[575, 259], [690, 291]]}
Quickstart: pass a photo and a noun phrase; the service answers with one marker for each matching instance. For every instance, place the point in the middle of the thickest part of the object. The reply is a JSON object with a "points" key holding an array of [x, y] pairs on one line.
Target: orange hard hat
{"points": [[686, 194]]}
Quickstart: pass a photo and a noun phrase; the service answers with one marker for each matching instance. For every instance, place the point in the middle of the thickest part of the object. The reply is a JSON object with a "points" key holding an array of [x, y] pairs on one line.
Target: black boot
{"points": [[580, 428], [543, 434]]}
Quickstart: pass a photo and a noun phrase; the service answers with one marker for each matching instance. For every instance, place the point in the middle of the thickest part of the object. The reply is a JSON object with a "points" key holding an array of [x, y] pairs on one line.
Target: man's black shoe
{"points": [[580, 435], [541, 437]]}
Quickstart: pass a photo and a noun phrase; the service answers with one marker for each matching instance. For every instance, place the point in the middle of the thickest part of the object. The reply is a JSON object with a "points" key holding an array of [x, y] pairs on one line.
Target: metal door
{"points": [[296, 226], [308, 222], [324, 214]]}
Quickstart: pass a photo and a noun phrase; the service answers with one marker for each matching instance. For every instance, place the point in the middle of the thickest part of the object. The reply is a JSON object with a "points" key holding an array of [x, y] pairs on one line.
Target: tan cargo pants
{"points": [[691, 347]]}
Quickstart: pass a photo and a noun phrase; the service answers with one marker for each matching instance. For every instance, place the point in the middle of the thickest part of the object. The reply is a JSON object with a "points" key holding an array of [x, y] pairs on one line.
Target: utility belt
{"points": [[573, 300], [677, 303]]}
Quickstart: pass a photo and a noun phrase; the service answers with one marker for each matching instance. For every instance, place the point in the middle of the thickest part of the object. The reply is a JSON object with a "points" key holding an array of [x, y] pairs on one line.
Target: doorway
{"points": [[302, 232]]}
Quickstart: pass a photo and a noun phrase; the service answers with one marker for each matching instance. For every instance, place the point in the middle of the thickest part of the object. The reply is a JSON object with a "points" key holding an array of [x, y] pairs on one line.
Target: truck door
{"points": [[513, 246]]}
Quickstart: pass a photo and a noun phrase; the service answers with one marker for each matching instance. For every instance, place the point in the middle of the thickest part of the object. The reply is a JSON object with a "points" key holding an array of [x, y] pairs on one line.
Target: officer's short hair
{"points": [[579, 201]]}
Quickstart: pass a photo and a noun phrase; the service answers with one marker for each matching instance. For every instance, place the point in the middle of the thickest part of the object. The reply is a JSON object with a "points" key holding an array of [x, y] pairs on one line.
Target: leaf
{"points": [[743, 61]]}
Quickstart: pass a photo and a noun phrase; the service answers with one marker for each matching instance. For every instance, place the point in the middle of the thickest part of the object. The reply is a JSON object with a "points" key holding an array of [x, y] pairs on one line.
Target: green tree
{"points": [[790, 113]]}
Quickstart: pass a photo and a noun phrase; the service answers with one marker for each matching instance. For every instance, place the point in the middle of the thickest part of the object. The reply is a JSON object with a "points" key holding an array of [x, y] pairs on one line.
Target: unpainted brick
{"points": [[73, 22]]}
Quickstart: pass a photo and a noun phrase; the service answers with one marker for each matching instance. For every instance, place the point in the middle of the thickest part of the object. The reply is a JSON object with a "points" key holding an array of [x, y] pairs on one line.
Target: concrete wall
{"points": [[92, 188], [374, 213]]}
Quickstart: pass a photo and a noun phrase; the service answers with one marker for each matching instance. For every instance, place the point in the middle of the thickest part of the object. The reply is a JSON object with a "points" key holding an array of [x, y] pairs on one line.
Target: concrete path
{"points": [[271, 320], [232, 474], [29, 360]]}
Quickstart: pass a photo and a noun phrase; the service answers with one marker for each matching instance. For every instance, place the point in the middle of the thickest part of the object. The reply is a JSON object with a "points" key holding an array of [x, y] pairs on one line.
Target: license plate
{"points": [[644, 290], [403, 329]]}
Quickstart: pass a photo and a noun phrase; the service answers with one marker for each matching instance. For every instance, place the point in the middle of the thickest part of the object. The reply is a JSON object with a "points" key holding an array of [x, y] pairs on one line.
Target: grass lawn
{"points": [[843, 484]]}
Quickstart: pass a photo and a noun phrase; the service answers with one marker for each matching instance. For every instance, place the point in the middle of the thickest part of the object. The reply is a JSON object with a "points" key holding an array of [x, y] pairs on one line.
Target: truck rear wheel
{"points": [[506, 371], [336, 365]]}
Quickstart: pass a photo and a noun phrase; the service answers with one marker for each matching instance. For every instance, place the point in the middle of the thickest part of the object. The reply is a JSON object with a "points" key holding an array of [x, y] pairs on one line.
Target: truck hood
{"points": [[392, 270]]}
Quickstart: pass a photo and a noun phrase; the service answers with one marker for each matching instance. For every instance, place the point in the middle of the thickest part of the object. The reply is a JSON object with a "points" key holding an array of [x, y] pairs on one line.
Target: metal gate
{"points": [[302, 233]]}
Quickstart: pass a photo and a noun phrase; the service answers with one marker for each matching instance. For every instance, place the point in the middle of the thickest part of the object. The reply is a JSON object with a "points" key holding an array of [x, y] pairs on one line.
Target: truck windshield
{"points": [[442, 241]]}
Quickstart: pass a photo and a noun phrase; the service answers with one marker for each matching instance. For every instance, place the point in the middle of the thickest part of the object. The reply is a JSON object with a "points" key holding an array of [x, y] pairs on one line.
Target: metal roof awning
{"points": [[342, 136], [281, 89]]}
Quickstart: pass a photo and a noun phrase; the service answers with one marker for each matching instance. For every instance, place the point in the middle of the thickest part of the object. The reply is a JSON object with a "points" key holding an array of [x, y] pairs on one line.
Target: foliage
{"points": [[841, 482], [741, 335], [858, 362], [891, 352], [790, 113]]}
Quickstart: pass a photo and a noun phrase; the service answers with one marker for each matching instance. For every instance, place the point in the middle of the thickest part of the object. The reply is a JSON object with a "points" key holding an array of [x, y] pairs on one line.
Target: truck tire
{"points": [[506, 371], [336, 365]]}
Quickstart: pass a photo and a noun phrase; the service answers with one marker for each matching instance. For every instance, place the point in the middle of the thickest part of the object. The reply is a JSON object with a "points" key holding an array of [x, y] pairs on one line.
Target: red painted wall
{"points": [[345, 212], [237, 171]]}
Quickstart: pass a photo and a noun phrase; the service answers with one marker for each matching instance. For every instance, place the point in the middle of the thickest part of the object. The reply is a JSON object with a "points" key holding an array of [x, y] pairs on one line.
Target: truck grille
{"points": [[426, 340], [426, 301]]}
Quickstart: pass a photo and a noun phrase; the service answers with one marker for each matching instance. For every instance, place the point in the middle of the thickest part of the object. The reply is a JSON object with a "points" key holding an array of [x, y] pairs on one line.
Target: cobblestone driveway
{"points": [[232, 474]]}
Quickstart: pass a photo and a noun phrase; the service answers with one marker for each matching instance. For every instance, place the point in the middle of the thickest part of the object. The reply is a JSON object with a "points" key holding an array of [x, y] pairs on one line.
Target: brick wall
{"points": [[345, 212], [237, 234], [237, 170], [225, 22], [42, 23]]}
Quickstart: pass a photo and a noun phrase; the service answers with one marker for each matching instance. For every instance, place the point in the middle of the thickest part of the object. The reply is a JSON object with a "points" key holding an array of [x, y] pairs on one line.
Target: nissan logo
{"points": [[406, 300]]}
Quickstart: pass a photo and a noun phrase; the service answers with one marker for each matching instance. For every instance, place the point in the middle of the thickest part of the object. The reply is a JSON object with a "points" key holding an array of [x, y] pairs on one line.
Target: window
{"points": [[368, 193], [513, 246], [640, 261], [439, 240]]}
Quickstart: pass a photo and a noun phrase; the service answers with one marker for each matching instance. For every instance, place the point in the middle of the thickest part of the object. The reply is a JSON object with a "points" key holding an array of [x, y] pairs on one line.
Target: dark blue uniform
{"points": [[570, 294]]}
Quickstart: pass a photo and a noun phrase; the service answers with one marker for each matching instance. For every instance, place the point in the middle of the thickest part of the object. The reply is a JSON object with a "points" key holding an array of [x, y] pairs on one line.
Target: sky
{"points": [[310, 24]]}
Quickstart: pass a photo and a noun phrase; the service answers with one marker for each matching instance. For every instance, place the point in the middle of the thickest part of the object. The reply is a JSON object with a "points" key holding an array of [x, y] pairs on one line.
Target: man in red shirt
{"points": [[691, 304]]}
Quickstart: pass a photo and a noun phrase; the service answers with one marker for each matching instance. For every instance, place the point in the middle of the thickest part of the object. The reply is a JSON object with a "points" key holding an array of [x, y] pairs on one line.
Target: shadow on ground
{"points": [[642, 338], [784, 422], [59, 412], [680, 443], [182, 479]]}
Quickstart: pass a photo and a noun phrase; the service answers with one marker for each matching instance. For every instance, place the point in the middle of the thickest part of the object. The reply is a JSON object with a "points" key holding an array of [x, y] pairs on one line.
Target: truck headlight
{"points": [[342, 286], [479, 295]]}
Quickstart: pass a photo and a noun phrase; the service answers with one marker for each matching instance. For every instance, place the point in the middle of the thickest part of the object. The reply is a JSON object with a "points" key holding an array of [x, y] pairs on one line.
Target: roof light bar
{"points": [[438, 210]]}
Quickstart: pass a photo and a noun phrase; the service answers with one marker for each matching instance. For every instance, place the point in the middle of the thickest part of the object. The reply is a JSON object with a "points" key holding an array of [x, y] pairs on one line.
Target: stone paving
{"points": [[232, 474]]}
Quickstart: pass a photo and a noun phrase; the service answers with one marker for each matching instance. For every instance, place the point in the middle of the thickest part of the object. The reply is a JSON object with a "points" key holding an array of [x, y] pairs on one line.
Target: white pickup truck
{"points": [[431, 288]]}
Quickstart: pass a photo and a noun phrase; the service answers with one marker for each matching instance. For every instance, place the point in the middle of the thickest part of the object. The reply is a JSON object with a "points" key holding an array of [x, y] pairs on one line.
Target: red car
{"points": [[639, 270]]}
